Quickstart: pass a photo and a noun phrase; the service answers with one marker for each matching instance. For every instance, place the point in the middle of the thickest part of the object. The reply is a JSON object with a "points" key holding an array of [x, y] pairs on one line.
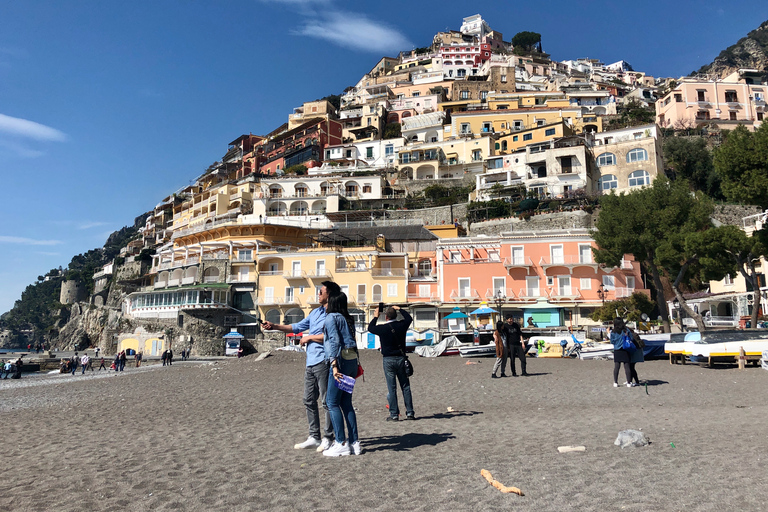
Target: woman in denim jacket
{"points": [[341, 350]]}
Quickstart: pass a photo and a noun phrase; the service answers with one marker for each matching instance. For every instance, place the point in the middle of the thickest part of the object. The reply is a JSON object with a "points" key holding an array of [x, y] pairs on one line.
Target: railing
{"points": [[626, 265], [318, 273], [160, 284], [211, 279], [265, 301], [430, 297], [518, 262], [295, 274], [565, 293], [388, 272], [174, 282], [565, 260], [464, 295], [493, 293], [271, 272], [423, 277], [216, 256], [622, 292], [529, 293], [352, 269], [721, 321], [377, 297], [360, 298], [188, 280], [240, 279]]}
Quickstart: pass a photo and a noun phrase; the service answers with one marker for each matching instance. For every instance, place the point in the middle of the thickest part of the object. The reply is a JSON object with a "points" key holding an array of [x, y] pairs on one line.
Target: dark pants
{"points": [[517, 352], [633, 373], [316, 386], [122, 365], [340, 404], [627, 371], [394, 368]]}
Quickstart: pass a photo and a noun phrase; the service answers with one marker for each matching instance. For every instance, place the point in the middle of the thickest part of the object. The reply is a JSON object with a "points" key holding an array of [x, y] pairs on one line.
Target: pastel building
{"points": [[550, 277], [736, 99], [627, 158]]}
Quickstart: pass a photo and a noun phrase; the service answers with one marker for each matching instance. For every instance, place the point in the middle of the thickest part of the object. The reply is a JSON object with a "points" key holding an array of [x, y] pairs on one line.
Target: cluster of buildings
{"points": [[256, 234]]}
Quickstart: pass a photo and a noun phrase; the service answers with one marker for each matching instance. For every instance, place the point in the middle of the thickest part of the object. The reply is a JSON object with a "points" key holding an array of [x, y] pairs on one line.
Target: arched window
{"points": [[503, 145], [637, 155], [606, 159], [425, 267], [607, 182], [359, 316], [639, 178], [294, 316], [273, 315]]}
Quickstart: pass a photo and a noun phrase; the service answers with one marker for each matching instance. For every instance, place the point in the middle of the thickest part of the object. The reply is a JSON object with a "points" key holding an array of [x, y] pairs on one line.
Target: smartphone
{"points": [[381, 308]]}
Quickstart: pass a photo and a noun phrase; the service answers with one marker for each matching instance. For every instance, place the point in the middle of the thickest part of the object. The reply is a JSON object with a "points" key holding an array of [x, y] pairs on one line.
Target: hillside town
{"points": [[330, 195]]}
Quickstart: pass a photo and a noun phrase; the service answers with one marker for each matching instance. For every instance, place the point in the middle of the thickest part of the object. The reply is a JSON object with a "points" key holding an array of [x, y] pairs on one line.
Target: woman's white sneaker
{"points": [[324, 444], [356, 448], [337, 450]]}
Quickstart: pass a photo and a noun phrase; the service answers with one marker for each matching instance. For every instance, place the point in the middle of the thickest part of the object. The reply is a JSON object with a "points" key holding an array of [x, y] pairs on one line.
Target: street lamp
{"points": [[602, 293], [499, 299]]}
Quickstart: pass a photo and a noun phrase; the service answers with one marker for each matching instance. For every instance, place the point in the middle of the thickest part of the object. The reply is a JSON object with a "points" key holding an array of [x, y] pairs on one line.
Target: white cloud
{"points": [[29, 129], [352, 30], [27, 241], [92, 224], [21, 150]]}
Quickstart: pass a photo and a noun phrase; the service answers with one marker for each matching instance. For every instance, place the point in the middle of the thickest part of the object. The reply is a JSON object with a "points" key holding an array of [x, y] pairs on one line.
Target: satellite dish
{"points": [[644, 317]]}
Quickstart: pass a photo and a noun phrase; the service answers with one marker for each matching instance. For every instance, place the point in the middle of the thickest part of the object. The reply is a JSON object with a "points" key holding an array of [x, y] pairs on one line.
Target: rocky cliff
{"points": [[749, 52]]}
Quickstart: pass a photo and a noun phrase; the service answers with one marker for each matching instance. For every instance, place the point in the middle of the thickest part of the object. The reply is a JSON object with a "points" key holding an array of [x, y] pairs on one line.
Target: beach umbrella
{"points": [[456, 314], [483, 310], [233, 334]]}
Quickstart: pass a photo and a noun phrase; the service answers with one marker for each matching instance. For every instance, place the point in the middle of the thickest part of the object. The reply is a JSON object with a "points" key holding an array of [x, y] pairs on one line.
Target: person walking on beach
{"points": [[116, 362], [341, 350], [139, 358], [183, 354], [164, 357], [620, 354], [123, 358], [316, 370], [170, 356], [102, 366], [500, 339], [84, 362], [6, 368], [392, 335], [73, 361], [516, 347]]}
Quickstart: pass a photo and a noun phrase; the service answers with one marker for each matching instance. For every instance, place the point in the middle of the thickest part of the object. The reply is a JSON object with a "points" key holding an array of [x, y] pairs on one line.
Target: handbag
{"points": [[637, 340], [408, 367], [626, 342], [360, 372]]}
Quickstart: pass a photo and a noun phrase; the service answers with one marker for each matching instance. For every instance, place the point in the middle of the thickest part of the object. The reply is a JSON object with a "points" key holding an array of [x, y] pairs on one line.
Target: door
{"points": [[556, 252], [269, 295], [630, 284], [361, 298], [464, 290], [243, 274], [386, 268], [585, 254], [320, 268], [564, 286], [296, 268], [532, 286]]}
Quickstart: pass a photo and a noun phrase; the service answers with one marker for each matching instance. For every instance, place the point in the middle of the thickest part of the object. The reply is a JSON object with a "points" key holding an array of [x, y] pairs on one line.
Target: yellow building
{"points": [[508, 121], [205, 206]]}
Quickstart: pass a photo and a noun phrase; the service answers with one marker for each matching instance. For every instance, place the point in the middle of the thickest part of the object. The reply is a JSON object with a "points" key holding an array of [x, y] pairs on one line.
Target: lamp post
{"points": [[602, 293], [499, 298]]}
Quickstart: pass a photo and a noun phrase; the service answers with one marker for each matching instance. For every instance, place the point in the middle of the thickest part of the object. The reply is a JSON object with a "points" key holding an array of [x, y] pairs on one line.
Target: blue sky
{"points": [[107, 107]]}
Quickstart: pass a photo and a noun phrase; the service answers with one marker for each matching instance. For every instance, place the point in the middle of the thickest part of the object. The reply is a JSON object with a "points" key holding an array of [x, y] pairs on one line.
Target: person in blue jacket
{"points": [[341, 351], [620, 354]]}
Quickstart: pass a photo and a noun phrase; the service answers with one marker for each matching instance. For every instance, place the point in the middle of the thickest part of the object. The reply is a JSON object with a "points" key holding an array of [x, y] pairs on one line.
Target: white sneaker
{"points": [[615, 384], [630, 384], [324, 444], [311, 442], [356, 448], [337, 450]]}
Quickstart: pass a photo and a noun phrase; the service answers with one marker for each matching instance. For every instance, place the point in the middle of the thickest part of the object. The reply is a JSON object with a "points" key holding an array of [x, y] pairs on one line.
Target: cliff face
{"points": [[749, 52], [90, 326]]}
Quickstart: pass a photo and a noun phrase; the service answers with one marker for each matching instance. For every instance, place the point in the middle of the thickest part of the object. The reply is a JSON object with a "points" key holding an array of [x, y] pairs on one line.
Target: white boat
{"points": [[726, 346], [478, 350], [597, 351]]}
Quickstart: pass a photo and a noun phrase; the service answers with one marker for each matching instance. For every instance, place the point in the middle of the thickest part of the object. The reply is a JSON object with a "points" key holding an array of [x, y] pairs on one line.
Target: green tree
{"points": [[527, 41], [742, 163], [690, 159], [651, 223], [392, 131], [630, 308]]}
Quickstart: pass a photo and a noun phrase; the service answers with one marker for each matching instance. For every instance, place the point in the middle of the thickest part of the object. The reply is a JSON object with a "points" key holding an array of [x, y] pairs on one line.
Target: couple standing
{"points": [[331, 354]]}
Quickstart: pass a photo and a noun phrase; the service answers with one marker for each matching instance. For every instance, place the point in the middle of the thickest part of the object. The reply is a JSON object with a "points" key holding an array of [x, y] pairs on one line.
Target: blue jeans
{"points": [[340, 403], [394, 368]]}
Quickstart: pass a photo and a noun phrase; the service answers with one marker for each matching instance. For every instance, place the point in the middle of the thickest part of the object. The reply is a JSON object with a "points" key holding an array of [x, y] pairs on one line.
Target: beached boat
{"points": [[487, 350], [726, 346]]}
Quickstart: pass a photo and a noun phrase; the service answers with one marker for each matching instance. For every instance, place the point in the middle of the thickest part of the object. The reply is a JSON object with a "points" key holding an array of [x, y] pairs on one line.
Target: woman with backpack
{"points": [[621, 354]]}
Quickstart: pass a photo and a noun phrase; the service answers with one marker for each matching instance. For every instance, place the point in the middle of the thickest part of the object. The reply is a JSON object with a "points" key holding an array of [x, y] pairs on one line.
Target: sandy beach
{"points": [[220, 436]]}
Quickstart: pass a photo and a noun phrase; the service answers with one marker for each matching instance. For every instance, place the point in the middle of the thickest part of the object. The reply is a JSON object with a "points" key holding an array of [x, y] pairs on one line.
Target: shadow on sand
{"points": [[405, 442]]}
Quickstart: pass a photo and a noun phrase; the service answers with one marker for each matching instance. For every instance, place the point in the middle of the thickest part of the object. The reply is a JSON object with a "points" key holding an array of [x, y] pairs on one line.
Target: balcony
{"points": [[529, 294], [623, 292], [417, 297], [280, 300], [353, 269], [271, 272], [464, 294], [188, 280], [237, 278], [388, 272], [430, 276], [319, 274], [568, 262], [174, 282], [506, 294], [211, 279], [518, 263], [295, 274], [565, 294]]}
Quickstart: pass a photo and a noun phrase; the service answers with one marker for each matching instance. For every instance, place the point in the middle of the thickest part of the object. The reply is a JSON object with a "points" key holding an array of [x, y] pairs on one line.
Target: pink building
{"points": [[736, 99], [550, 277]]}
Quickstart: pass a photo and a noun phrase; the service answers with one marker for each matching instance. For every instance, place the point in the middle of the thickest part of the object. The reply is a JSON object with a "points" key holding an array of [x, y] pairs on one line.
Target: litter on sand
{"points": [[566, 449], [501, 487]]}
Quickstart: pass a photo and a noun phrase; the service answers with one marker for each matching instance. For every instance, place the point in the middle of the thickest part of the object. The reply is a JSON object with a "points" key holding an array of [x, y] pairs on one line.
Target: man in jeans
{"points": [[316, 373], [392, 340], [516, 348]]}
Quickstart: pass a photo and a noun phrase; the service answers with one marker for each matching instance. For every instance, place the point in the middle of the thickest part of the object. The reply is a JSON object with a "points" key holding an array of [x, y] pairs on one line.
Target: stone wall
{"points": [[433, 216], [732, 214], [542, 222], [71, 292]]}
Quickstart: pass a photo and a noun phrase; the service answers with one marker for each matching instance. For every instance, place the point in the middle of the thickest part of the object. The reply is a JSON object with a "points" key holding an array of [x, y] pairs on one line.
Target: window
{"points": [[728, 280], [639, 178], [528, 136], [499, 287], [607, 182], [464, 94], [351, 190], [244, 255], [424, 315], [464, 289], [389, 150], [585, 283], [585, 253], [556, 254], [606, 159], [461, 73], [637, 135], [483, 95], [630, 282], [700, 96], [416, 94], [563, 285], [702, 115], [566, 164], [518, 256], [503, 79], [349, 153], [532, 286], [288, 294], [369, 152], [504, 145], [366, 189], [464, 128], [455, 257], [493, 255], [609, 282], [296, 268], [487, 127], [425, 267], [549, 131], [731, 97], [637, 155], [732, 115], [518, 125], [320, 268], [515, 138], [678, 98], [476, 155], [392, 290], [759, 116]]}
